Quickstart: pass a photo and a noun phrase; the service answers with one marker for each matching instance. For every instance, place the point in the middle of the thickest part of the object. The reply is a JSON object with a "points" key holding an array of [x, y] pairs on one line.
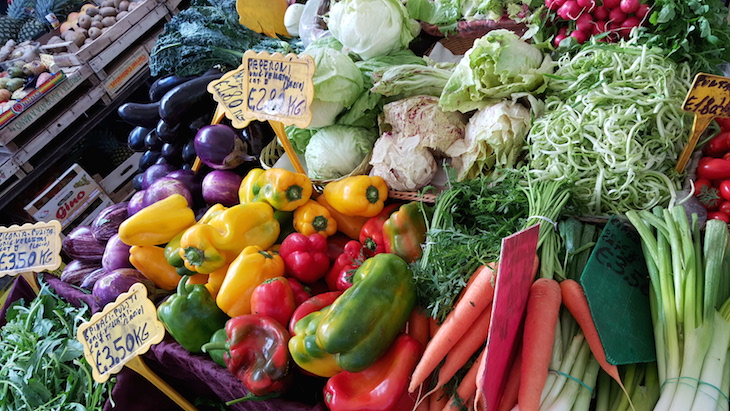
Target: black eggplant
{"points": [[140, 114], [258, 135], [152, 142], [169, 134], [135, 139], [148, 158], [163, 84], [187, 100]]}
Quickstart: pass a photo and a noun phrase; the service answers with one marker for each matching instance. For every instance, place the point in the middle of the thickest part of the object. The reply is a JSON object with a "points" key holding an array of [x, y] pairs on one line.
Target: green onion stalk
{"points": [[692, 337]]}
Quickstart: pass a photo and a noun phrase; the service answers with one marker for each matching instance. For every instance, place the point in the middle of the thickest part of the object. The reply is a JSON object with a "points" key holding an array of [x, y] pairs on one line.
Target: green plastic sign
{"points": [[616, 283]]}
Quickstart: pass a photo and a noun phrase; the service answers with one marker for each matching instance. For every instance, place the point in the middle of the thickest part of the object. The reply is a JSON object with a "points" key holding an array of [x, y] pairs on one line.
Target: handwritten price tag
{"points": [[267, 87], [30, 248], [708, 98], [125, 329]]}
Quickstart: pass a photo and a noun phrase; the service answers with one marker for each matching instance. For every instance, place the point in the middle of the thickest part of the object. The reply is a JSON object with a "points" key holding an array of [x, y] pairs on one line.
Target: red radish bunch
{"points": [[712, 185], [582, 19]]}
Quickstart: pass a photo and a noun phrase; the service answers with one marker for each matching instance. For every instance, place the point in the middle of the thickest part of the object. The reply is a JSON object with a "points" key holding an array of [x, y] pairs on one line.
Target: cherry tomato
{"points": [[708, 195], [718, 215], [724, 188], [724, 207], [713, 168], [723, 122], [717, 146]]}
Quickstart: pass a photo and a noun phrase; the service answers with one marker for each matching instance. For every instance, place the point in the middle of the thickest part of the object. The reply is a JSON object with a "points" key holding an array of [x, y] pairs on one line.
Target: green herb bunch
{"points": [[43, 363]]}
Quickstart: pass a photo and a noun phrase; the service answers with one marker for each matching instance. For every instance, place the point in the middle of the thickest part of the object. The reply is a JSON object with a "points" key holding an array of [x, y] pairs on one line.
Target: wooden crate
{"points": [[101, 43], [10, 170]]}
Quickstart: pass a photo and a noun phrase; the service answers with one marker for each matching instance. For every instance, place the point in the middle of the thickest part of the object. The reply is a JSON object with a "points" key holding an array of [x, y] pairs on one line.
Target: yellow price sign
{"points": [[30, 248], [273, 87], [708, 98], [119, 333]]}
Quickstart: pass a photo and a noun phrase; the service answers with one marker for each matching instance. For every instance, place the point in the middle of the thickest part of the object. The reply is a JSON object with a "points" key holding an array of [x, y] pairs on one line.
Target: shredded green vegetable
{"points": [[613, 127]]}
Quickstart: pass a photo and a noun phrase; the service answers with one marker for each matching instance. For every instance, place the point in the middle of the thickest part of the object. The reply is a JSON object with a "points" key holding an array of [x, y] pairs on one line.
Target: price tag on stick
{"points": [[708, 98], [514, 278], [120, 333], [30, 248]]}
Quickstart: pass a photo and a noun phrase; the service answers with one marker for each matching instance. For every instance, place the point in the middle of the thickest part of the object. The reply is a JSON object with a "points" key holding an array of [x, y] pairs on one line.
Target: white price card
{"points": [[30, 248], [123, 330]]}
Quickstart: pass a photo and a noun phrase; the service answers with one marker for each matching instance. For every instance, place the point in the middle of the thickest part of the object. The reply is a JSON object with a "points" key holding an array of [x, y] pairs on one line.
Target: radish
{"points": [[600, 13], [584, 23], [616, 16], [558, 38], [600, 26], [570, 10], [642, 10], [629, 6], [554, 4], [587, 5], [628, 24], [579, 36], [611, 4]]}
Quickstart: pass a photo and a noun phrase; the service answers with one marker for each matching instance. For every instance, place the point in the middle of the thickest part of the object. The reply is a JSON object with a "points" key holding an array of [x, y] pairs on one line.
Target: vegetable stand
{"points": [[509, 226]]}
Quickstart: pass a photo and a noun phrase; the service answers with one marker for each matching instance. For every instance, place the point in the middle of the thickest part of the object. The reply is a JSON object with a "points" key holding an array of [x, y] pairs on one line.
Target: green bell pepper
{"points": [[191, 315], [173, 257], [304, 348], [219, 337], [363, 322]]}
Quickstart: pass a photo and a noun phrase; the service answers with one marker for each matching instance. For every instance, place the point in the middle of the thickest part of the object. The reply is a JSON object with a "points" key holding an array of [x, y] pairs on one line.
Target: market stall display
{"points": [[428, 238]]}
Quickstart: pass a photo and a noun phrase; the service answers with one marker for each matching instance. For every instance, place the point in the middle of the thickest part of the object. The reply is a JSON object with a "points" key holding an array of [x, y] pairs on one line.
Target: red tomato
{"points": [[723, 122], [713, 168], [724, 188], [717, 146], [718, 215], [724, 207], [708, 195]]}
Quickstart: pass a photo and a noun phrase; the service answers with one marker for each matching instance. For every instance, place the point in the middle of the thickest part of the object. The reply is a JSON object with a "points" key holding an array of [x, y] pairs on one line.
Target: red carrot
{"points": [[543, 307], [437, 400], [575, 301], [467, 388], [512, 386], [468, 344], [477, 296]]}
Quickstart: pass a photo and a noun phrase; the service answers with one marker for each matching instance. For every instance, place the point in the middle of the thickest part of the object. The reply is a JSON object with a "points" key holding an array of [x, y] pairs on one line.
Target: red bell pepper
{"points": [[275, 298], [305, 256], [315, 303], [371, 235], [256, 352], [405, 230], [379, 387], [340, 275], [301, 292]]}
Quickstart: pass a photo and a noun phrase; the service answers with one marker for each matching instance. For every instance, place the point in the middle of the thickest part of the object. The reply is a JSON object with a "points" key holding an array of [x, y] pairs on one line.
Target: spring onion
{"points": [[613, 127], [691, 337]]}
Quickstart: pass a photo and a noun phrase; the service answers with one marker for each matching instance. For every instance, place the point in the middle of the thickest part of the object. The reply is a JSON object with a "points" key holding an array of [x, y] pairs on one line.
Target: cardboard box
{"points": [[68, 198]]}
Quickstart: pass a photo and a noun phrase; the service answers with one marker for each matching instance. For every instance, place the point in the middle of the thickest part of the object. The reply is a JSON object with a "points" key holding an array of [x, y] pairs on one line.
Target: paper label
{"points": [[616, 284], [123, 330], [30, 248], [267, 87], [514, 278], [709, 96]]}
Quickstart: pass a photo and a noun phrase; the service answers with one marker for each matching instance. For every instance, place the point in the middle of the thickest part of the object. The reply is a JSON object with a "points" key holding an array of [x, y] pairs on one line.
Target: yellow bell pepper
{"points": [[209, 246], [157, 223], [151, 262], [245, 190], [215, 279], [253, 266], [283, 189], [347, 225], [313, 217], [211, 212], [357, 195]]}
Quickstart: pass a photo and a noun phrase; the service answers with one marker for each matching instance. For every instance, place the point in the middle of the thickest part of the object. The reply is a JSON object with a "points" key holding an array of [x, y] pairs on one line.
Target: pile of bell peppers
{"points": [[290, 280]]}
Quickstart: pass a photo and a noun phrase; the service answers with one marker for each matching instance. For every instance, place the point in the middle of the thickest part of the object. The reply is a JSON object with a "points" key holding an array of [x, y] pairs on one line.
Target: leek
{"points": [[691, 336]]}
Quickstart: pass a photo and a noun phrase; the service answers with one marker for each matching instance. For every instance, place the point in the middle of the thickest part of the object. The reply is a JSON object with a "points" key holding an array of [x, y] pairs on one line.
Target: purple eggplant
{"points": [[116, 254], [136, 202], [220, 147], [106, 224], [190, 179], [81, 244], [155, 172], [92, 277], [165, 187], [77, 270], [108, 287], [221, 186]]}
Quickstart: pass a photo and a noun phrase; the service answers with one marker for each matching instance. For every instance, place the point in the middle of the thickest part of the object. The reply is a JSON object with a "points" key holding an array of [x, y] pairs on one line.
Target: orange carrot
{"points": [[477, 296], [512, 386], [480, 402], [467, 388], [418, 326], [575, 301], [543, 307], [437, 400], [468, 344]]}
